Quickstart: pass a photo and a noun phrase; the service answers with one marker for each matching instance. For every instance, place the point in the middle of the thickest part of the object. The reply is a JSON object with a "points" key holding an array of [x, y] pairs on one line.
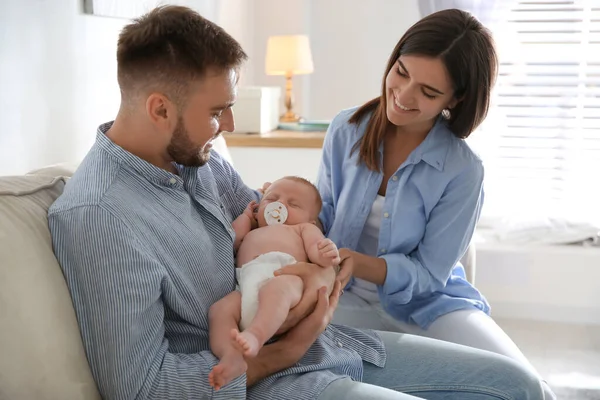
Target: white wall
{"points": [[350, 40], [51, 59], [237, 17], [58, 75], [58, 69], [276, 17], [257, 165]]}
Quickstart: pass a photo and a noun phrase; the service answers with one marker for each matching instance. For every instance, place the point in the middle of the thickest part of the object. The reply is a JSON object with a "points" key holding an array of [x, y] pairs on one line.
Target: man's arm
{"points": [[314, 277], [295, 343], [115, 285], [233, 191]]}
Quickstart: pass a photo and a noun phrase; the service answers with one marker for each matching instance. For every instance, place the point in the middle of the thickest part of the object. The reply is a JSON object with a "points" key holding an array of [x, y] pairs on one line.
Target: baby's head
{"points": [[298, 195]]}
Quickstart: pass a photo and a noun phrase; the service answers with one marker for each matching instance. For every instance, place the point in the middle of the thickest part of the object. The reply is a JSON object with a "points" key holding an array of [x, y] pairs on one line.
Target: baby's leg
{"points": [[223, 317], [275, 299]]}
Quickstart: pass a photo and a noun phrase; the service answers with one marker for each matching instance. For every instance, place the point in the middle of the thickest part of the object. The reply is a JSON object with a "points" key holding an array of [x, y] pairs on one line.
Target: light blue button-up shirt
{"points": [[432, 205], [145, 253]]}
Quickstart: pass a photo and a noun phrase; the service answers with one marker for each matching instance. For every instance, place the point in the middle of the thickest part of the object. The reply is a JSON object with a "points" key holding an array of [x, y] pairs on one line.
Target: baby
{"points": [[286, 234]]}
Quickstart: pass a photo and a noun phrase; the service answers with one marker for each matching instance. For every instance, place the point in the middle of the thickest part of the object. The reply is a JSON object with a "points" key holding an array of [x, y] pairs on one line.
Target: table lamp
{"points": [[289, 56]]}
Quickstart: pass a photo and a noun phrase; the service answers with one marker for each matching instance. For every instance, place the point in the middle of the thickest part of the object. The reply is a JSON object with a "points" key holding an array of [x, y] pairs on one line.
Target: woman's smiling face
{"points": [[417, 90]]}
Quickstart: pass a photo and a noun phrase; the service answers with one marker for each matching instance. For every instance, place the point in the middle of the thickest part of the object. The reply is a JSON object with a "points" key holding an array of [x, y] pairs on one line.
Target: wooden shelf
{"points": [[278, 138]]}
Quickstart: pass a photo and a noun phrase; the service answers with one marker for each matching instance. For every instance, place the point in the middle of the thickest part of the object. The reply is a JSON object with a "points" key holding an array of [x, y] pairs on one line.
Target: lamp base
{"points": [[290, 116]]}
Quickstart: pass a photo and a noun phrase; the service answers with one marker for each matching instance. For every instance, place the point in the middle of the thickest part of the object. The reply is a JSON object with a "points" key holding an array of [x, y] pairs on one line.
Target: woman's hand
{"points": [[371, 269], [314, 277], [346, 266]]}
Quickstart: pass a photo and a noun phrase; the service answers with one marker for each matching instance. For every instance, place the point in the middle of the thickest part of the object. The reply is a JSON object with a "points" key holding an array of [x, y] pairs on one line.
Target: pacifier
{"points": [[275, 213]]}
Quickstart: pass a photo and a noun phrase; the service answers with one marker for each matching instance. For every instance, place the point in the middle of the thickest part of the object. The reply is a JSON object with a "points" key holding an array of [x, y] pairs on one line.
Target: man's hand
{"points": [[293, 346], [346, 266], [314, 277], [299, 339], [328, 252]]}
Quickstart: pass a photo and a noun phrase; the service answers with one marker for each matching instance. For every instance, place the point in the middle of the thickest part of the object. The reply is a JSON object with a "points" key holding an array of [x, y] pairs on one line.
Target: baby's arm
{"points": [[244, 224], [320, 251]]}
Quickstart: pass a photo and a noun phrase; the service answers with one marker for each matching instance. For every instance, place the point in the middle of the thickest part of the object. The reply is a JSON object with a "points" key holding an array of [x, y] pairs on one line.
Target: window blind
{"points": [[541, 141]]}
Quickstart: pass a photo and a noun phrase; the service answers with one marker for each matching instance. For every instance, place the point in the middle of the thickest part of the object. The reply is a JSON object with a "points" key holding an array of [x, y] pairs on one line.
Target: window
{"points": [[541, 141]]}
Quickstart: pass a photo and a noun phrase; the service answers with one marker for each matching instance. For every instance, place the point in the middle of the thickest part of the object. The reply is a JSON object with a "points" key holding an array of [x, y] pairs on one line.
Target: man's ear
{"points": [[161, 112]]}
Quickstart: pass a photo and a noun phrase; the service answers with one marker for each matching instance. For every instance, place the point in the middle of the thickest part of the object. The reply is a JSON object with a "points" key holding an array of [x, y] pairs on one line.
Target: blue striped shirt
{"points": [[432, 204], [145, 253]]}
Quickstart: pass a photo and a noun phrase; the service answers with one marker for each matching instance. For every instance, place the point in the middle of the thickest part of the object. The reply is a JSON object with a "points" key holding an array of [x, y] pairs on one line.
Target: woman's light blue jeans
{"points": [[419, 367]]}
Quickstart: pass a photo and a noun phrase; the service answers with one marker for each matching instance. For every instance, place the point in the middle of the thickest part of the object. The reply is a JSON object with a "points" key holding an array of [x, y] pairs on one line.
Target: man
{"points": [[143, 235]]}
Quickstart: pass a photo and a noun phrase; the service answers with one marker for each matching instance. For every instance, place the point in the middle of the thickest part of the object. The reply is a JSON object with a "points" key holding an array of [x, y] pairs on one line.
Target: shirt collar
{"points": [[151, 172], [434, 149]]}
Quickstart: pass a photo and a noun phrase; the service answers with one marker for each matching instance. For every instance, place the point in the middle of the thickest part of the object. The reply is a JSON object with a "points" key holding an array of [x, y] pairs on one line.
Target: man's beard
{"points": [[183, 151]]}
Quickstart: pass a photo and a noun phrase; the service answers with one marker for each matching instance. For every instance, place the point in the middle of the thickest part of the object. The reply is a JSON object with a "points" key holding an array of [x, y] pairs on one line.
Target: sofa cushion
{"points": [[41, 354]]}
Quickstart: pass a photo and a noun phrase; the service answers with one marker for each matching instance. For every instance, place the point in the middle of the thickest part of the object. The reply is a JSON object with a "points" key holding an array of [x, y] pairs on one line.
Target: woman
{"points": [[402, 191]]}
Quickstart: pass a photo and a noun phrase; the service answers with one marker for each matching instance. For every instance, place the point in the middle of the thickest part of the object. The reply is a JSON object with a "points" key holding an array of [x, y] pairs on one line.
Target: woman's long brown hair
{"points": [[467, 50]]}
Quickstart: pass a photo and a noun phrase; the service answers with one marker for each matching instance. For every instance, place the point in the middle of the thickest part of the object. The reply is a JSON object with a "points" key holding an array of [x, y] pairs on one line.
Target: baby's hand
{"points": [[329, 251], [251, 211]]}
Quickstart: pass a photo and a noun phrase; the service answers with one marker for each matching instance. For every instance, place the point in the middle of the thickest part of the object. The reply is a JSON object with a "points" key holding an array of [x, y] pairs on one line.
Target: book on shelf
{"points": [[305, 126]]}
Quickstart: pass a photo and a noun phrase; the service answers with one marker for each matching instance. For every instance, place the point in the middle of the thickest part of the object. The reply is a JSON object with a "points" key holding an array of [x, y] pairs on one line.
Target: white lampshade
{"points": [[288, 55]]}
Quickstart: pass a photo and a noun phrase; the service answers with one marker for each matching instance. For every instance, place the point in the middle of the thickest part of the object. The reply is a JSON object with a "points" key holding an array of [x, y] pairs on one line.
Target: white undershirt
{"points": [[368, 244]]}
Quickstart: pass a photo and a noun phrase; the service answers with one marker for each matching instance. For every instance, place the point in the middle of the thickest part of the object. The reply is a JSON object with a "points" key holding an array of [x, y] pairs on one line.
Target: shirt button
{"points": [[394, 178], [382, 251], [172, 181], [386, 215], [339, 344]]}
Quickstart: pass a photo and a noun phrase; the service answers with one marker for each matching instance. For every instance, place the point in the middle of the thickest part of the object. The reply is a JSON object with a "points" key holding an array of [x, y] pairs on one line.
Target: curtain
{"points": [[541, 141]]}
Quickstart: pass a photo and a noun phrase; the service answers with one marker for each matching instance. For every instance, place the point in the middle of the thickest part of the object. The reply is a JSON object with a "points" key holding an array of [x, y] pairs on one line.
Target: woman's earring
{"points": [[446, 113]]}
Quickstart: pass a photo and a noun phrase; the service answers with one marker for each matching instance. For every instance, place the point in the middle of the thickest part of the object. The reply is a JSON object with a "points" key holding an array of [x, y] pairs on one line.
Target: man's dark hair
{"points": [[168, 49]]}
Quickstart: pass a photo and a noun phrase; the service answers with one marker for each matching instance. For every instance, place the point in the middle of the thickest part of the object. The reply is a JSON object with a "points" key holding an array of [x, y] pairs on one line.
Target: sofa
{"points": [[41, 353]]}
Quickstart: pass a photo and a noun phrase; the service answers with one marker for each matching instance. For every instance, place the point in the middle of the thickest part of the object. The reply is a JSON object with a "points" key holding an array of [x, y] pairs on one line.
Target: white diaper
{"points": [[252, 275]]}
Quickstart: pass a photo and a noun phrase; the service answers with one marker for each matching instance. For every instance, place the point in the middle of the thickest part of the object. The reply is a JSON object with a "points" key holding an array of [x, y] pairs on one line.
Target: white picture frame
{"points": [[129, 9]]}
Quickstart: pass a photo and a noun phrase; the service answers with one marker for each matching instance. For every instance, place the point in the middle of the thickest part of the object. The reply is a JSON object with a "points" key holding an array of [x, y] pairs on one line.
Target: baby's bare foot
{"points": [[246, 342], [230, 367]]}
